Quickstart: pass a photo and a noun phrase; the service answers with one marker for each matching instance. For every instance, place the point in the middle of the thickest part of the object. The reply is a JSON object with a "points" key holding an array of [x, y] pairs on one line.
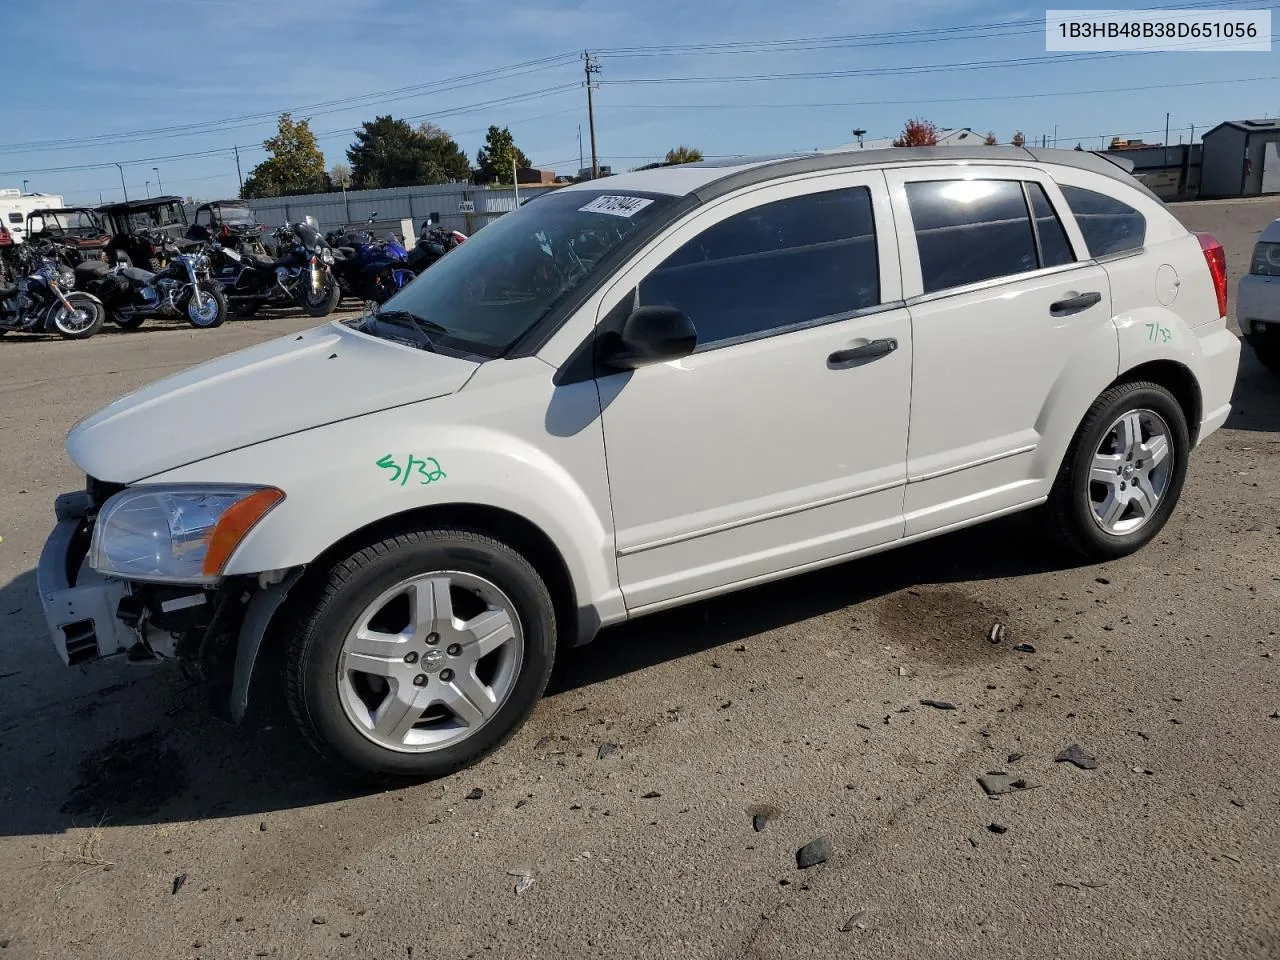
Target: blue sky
{"points": [[118, 69]]}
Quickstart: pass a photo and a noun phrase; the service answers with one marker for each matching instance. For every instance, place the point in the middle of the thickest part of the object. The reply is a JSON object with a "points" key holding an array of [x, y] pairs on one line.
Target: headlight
{"points": [[326, 255], [176, 534], [1266, 260]]}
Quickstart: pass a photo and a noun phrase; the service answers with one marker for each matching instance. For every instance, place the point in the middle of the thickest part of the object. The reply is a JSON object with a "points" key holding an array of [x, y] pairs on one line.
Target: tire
{"points": [[1078, 494], [1268, 356], [324, 696], [331, 297], [215, 307], [95, 315], [245, 309], [129, 323]]}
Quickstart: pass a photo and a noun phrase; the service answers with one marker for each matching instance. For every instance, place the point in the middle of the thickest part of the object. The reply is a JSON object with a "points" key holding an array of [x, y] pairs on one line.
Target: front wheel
{"points": [[419, 655], [1124, 472], [130, 322], [212, 308], [323, 303], [82, 321], [1268, 355]]}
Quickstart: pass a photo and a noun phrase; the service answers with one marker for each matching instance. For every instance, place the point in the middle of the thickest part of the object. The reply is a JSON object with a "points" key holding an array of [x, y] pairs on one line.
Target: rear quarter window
{"points": [[16, 218], [1109, 225]]}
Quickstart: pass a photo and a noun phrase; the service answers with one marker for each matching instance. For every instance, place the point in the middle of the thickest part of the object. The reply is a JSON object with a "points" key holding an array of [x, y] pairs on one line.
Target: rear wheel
{"points": [[82, 321], [244, 309], [212, 308], [131, 322], [1124, 472], [420, 654]]}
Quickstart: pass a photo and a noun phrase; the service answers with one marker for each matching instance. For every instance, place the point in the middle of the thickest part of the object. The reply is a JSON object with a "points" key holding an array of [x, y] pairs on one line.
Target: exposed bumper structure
{"points": [[80, 613]]}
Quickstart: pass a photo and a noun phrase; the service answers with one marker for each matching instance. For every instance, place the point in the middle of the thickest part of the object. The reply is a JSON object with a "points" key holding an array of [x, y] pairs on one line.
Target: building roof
{"points": [[1248, 126], [714, 177]]}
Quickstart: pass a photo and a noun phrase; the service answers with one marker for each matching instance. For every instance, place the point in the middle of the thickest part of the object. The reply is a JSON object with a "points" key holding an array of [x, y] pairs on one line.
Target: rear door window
{"points": [[968, 231], [1055, 248], [1109, 226]]}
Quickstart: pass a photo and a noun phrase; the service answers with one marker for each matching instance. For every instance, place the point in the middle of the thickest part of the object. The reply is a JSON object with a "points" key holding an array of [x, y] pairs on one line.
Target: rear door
{"points": [[1012, 329]]}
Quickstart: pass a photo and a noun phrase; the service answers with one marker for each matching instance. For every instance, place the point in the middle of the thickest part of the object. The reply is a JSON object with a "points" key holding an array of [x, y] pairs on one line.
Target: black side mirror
{"points": [[652, 335]]}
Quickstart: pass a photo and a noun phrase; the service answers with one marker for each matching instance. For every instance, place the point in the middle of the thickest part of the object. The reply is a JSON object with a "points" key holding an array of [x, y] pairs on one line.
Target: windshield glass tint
{"points": [[235, 215], [75, 220], [487, 292]]}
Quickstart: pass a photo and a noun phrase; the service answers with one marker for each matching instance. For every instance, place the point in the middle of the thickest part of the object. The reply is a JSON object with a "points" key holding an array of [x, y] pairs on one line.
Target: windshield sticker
{"points": [[428, 469], [616, 206]]}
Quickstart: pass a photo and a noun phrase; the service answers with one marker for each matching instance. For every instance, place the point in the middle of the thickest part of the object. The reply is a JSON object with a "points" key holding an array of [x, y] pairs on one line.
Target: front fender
{"points": [[343, 477]]}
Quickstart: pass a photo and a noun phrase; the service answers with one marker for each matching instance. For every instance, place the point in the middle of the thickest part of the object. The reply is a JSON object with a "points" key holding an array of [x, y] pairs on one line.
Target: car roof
{"points": [[131, 205], [707, 179], [1271, 234]]}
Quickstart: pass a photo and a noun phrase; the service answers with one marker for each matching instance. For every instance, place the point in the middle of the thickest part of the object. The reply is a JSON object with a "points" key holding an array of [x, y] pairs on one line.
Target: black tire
{"points": [[1070, 511], [331, 297], [129, 323], [213, 291], [94, 307], [245, 309], [1268, 356], [324, 617]]}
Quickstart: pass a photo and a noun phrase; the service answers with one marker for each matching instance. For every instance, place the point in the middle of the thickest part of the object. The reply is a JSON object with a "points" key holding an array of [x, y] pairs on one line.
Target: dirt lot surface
{"points": [[133, 826]]}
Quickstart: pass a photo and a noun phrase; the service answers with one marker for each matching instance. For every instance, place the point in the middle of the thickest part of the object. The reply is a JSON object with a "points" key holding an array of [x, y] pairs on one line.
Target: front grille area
{"points": [[82, 642]]}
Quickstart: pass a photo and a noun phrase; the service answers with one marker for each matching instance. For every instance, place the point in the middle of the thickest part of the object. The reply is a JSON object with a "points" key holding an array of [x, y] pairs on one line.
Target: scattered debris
{"points": [[997, 634], [1075, 754], [995, 827], [544, 742], [475, 793], [1092, 886], [857, 920], [938, 704], [902, 671], [523, 884], [606, 750], [814, 852], [1102, 580], [521, 802], [1238, 803], [1232, 857], [1275, 715], [1014, 757], [1143, 770], [759, 821], [973, 842], [178, 882], [862, 726], [726, 705], [262, 827], [998, 782], [651, 795], [740, 648], [318, 920], [1025, 648]]}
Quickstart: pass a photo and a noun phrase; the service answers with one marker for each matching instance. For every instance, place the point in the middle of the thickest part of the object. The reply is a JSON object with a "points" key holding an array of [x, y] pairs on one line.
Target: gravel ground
{"points": [[131, 825]]}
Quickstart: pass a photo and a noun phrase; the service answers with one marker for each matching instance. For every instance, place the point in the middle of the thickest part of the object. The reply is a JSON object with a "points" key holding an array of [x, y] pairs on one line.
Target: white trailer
{"points": [[15, 205]]}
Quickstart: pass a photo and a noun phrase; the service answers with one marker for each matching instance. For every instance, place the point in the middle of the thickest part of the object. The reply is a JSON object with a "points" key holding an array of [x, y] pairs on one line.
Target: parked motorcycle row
{"points": [[204, 275]]}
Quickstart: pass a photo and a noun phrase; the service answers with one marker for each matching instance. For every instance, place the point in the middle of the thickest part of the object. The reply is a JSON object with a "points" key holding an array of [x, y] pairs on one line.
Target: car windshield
{"points": [[489, 291], [236, 214], [153, 217]]}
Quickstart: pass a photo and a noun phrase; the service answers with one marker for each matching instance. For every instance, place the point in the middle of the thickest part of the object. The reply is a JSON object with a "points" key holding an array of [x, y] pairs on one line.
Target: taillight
{"points": [[1216, 256], [6, 238]]}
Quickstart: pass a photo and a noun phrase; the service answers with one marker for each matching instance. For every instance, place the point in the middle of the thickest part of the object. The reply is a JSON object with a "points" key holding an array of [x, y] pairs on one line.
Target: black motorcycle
{"points": [[44, 300], [433, 243], [133, 295], [301, 276]]}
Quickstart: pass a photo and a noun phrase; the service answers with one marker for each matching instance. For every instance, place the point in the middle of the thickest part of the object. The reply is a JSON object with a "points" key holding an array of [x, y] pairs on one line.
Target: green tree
{"points": [[295, 164], [391, 153], [683, 154], [493, 161]]}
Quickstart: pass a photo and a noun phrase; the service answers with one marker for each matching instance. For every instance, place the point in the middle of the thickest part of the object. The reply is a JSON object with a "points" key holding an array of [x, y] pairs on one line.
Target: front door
{"points": [[1013, 334], [781, 442]]}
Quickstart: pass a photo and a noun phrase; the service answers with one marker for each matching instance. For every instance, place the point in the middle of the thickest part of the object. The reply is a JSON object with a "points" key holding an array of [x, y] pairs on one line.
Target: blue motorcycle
{"points": [[368, 268]]}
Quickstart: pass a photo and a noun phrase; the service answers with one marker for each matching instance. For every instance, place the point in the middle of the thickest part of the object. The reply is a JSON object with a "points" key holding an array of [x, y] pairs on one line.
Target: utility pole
{"points": [[1055, 136], [1166, 140], [579, 149], [159, 185], [122, 184], [515, 180], [148, 188], [591, 66], [238, 174]]}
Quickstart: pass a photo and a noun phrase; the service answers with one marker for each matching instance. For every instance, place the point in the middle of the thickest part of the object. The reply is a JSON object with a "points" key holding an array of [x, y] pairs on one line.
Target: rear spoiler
{"points": [[1124, 163]]}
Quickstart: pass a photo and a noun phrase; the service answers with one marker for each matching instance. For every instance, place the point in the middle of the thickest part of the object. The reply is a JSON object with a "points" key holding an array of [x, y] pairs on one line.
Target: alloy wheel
{"points": [[1130, 471]]}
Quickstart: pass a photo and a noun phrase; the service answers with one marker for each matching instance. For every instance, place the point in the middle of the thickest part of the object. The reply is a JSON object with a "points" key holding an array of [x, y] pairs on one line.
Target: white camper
{"points": [[15, 205]]}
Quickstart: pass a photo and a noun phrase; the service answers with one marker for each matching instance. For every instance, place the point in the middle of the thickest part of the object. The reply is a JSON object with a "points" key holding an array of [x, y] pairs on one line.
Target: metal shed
{"points": [[1241, 159]]}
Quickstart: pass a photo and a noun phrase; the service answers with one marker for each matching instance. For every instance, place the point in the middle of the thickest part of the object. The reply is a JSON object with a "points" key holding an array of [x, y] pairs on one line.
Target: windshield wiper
{"points": [[421, 325]]}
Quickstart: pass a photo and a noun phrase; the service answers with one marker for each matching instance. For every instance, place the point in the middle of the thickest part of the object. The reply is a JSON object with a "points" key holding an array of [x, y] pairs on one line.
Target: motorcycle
{"points": [[302, 276], [44, 300], [433, 243], [367, 268], [132, 295]]}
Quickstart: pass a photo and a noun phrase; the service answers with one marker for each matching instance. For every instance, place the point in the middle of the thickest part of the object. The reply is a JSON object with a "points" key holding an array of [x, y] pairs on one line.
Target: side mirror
{"points": [[652, 335]]}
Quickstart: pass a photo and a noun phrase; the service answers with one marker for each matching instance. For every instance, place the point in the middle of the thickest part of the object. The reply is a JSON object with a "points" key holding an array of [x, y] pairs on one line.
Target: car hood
{"points": [[270, 390]]}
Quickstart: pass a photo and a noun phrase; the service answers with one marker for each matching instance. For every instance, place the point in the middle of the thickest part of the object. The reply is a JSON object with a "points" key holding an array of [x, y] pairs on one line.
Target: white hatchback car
{"points": [[1258, 302], [633, 394]]}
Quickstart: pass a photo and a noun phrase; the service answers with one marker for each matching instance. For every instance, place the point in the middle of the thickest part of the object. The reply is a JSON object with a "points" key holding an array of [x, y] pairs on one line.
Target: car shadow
{"points": [[141, 747], [1255, 405]]}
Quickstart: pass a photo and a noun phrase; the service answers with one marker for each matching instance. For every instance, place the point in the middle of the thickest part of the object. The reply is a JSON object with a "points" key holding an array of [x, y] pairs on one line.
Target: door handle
{"points": [[1084, 301], [867, 351]]}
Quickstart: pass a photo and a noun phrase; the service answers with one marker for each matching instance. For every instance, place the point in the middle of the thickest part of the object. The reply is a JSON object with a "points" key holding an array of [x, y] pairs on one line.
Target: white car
{"points": [[1258, 303], [633, 394]]}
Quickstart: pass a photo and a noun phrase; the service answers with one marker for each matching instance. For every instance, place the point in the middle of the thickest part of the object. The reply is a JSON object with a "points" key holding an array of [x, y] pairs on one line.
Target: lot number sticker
{"points": [[616, 206]]}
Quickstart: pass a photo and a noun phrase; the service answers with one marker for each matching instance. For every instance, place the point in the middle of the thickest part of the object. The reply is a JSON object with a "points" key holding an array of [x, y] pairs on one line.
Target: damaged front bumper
{"points": [[79, 604]]}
